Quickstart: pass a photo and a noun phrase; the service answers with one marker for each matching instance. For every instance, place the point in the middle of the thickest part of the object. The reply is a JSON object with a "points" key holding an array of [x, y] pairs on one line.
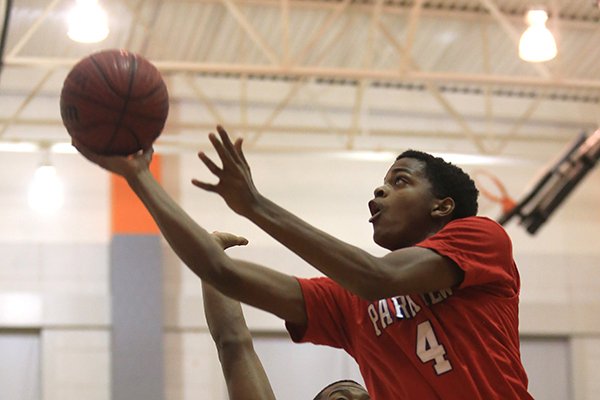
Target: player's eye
{"points": [[400, 180]]}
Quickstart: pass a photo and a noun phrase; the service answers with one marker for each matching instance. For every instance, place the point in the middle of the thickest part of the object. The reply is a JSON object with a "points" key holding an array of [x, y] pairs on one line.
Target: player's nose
{"points": [[380, 191]]}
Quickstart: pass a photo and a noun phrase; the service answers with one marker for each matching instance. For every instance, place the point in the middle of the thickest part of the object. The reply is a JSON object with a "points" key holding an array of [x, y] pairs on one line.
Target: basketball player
{"points": [[435, 318], [244, 374]]}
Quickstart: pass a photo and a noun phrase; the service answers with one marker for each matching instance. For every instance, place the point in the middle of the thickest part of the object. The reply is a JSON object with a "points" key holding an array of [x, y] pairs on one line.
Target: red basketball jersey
{"points": [[456, 344]]}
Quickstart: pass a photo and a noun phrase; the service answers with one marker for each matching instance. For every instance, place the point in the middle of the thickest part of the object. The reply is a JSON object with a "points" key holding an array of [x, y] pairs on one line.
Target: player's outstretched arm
{"points": [[250, 283], [411, 270], [244, 374]]}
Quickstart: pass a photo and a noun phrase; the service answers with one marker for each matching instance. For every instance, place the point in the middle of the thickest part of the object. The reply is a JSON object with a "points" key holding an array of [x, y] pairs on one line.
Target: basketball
{"points": [[114, 102]]}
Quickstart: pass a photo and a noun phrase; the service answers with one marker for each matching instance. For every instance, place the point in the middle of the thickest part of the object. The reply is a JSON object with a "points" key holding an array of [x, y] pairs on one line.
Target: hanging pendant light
{"points": [[537, 43], [88, 22], [45, 194]]}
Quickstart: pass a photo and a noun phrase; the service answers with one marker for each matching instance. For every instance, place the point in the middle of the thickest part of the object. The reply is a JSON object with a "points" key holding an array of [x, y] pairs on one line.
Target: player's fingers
{"points": [[84, 151], [90, 155], [230, 238], [237, 241], [224, 155], [227, 144], [212, 167], [240, 152], [148, 154], [203, 185], [224, 137]]}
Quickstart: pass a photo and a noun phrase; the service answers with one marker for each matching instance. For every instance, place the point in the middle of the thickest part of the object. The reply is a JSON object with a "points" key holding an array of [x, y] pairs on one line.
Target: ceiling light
{"points": [[537, 43], [46, 190], [454, 158], [88, 22], [20, 308], [18, 147]]}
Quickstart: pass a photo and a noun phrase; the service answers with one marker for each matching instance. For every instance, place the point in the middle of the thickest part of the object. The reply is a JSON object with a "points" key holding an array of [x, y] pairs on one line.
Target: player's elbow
{"points": [[234, 343], [220, 272], [372, 293], [377, 283]]}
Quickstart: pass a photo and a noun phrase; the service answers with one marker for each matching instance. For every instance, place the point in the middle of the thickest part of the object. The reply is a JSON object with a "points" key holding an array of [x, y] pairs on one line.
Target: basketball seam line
{"points": [[105, 106], [132, 71]]}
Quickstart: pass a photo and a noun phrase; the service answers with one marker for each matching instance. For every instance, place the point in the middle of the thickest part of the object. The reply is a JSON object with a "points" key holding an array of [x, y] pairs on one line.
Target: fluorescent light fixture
{"points": [[18, 147], [20, 308], [358, 155], [454, 158], [63, 148], [34, 147], [537, 43], [88, 22], [473, 159], [45, 190]]}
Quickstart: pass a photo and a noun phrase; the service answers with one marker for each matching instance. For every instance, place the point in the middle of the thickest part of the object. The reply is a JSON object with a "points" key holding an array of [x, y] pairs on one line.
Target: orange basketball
{"points": [[114, 102]]}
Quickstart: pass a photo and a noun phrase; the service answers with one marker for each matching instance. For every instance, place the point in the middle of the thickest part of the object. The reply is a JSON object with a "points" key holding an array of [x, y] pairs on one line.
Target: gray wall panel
{"points": [[137, 328]]}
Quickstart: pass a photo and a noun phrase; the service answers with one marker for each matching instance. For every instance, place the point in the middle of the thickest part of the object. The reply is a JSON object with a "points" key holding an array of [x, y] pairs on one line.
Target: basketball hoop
{"points": [[498, 195]]}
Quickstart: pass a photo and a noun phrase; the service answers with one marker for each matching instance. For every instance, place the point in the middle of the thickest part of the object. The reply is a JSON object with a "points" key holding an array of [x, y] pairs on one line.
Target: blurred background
{"points": [[325, 93]]}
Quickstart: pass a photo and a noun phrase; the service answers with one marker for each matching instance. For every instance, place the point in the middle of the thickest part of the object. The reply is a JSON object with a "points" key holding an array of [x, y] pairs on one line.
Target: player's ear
{"points": [[443, 207]]}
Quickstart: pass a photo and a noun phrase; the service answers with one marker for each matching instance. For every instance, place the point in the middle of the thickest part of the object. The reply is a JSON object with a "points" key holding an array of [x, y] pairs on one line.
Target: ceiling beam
{"points": [[32, 29], [26, 101], [411, 30], [167, 66], [254, 36], [360, 105], [318, 34], [173, 127], [429, 9]]}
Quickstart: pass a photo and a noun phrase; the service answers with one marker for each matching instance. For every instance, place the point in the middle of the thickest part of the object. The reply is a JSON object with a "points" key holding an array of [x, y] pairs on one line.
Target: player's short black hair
{"points": [[318, 396], [448, 180]]}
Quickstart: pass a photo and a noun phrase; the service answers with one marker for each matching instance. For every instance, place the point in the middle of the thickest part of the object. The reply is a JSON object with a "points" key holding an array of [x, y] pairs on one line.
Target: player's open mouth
{"points": [[375, 210]]}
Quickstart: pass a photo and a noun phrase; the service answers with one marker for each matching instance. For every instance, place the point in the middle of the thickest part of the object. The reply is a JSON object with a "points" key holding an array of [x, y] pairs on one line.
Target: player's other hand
{"points": [[126, 166], [235, 180], [227, 240]]}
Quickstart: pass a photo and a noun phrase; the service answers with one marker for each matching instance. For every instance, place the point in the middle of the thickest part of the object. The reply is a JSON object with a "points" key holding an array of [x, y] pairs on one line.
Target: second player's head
{"points": [[343, 390]]}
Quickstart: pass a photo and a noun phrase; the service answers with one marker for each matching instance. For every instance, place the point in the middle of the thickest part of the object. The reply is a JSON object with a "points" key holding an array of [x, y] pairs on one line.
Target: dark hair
{"points": [[448, 180], [318, 396]]}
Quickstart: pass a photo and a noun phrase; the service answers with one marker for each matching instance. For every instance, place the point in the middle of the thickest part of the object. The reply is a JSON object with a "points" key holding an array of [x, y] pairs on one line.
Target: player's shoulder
{"points": [[483, 227], [326, 290], [476, 222], [322, 282]]}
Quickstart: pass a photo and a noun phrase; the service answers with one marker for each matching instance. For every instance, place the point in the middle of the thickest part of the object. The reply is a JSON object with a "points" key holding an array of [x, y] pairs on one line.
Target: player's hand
{"points": [[235, 180], [227, 240], [126, 166]]}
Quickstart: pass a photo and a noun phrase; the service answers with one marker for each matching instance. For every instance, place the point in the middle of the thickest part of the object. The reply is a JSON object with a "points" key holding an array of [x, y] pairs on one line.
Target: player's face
{"points": [[402, 208], [345, 391]]}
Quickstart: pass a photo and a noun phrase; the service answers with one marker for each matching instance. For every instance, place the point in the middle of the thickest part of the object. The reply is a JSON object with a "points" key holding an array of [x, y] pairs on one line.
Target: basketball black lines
{"points": [[114, 102], [132, 68]]}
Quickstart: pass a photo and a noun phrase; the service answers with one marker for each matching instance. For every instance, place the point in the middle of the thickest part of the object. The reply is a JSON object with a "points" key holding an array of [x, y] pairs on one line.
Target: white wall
{"points": [[56, 267], [54, 274], [20, 366], [546, 360]]}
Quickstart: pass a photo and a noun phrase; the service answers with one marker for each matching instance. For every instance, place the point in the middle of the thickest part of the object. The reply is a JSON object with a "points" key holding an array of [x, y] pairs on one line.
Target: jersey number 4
{"points": [[429, 349]]}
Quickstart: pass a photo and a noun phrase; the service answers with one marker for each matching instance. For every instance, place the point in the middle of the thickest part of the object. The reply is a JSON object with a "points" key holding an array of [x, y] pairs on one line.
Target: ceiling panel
{"points": [[363, 70]]}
